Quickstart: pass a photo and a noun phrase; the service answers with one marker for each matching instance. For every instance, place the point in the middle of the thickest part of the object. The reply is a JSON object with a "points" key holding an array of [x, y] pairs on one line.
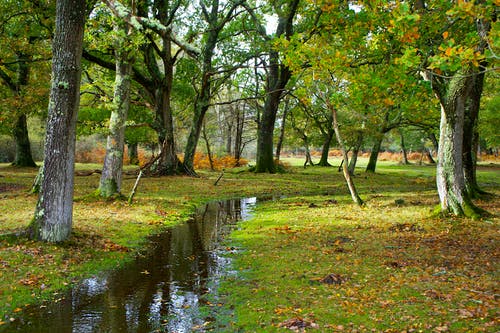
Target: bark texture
{"points": [[277, 78], [450, 177], [111, 177], [53, 214]]}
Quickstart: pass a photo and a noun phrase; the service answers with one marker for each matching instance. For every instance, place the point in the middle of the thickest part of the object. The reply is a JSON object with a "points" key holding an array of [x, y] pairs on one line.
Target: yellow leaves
{"points": [[446, 34], [411, 35], [388, 102]]}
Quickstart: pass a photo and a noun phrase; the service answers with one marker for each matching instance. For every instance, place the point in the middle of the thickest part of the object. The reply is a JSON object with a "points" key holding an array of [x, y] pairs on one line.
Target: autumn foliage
{"points": [[202, 161]]}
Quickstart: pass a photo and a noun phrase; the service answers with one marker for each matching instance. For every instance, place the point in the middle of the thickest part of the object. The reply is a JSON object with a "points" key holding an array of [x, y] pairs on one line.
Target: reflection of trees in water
{"points": [[159, 291]]}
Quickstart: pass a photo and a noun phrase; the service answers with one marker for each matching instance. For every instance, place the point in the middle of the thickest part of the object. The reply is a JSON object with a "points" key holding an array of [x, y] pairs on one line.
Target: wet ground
{"points": [[160, 291]]}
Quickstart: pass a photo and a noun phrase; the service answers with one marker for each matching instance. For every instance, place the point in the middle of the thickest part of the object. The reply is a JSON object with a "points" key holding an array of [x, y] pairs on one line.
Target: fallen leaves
{"points": [[298, 324]]}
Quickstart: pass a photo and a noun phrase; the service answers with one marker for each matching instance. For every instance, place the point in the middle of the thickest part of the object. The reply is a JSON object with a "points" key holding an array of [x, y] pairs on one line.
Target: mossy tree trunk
{"points": [[111, 177], [53, 214], [450, 178], [471, 135]]}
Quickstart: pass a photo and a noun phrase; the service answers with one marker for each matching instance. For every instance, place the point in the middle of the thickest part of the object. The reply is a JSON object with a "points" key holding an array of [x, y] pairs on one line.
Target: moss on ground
{"points": [[399, 267]]}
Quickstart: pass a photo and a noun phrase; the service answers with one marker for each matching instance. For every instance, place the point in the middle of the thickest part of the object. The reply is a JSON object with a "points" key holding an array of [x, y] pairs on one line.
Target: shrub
{"points": [[201, 161]]}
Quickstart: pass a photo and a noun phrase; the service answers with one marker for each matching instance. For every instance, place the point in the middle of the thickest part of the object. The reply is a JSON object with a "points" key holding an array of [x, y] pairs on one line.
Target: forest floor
{"points": [[310, 261]]}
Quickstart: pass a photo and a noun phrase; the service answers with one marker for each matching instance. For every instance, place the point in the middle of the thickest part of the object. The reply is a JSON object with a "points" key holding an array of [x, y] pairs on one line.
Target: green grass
{"points": [[403, 270], [394, 278]]}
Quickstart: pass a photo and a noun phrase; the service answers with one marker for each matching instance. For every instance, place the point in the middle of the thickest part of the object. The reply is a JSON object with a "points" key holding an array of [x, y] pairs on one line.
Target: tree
{"points": [[25, 29], [216, 17], [277, 78], [454, 57], [53, 214], [111, 176], [155, 73]]}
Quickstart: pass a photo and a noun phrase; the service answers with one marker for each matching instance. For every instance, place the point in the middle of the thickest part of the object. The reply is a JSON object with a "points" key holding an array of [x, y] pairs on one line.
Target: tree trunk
{"points": [[168, 164], [471, 135], [207, 145], [429, 156], [264, 160], [53, 214], [279, 144], [403, 149], [200, 109], [133, 153], [277, 78], [345, 161], [111, 177], [434, 140], [229, 132], [23, 156], [355, 153], [238, 138], [204, 96], [372, 162], [309, 160], [325, 150], [450, 178]]}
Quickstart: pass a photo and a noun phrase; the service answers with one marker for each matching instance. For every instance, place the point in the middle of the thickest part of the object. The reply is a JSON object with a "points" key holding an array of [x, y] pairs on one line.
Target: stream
{"points": [[161, 290]]}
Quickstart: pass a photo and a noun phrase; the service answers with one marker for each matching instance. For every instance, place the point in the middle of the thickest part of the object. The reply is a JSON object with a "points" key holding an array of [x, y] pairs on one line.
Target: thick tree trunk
{"points": [[345, 161], [277, 79], [325, 149], [201, 107], [168, 164], [53, 214], [471, 136], [264, 160], [372, 162], [450, 178], [23, 156], [111, 177]]}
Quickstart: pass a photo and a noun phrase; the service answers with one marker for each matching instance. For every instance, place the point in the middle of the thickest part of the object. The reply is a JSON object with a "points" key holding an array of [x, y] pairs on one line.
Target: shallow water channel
{"points": [[160, 291]]}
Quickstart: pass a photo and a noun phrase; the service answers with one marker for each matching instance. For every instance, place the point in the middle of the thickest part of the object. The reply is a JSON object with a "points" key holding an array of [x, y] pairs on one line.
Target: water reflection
{"points": [[159, 291]]}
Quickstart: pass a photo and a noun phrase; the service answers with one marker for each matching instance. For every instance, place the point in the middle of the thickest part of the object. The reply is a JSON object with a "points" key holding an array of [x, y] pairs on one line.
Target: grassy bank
{"points": [[288, 247], [319, 262]]}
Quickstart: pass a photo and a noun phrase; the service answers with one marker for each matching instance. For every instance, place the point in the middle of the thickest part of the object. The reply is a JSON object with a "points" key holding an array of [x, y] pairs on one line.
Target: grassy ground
{"points": [[391, 265]]}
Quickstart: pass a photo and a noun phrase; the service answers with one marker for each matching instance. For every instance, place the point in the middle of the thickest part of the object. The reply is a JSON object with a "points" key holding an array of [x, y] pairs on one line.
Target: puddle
{"points": [[160, 291]]}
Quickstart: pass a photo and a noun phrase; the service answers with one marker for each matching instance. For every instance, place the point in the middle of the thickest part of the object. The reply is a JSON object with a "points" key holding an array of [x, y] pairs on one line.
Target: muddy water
{"points": [[160, 291]]}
